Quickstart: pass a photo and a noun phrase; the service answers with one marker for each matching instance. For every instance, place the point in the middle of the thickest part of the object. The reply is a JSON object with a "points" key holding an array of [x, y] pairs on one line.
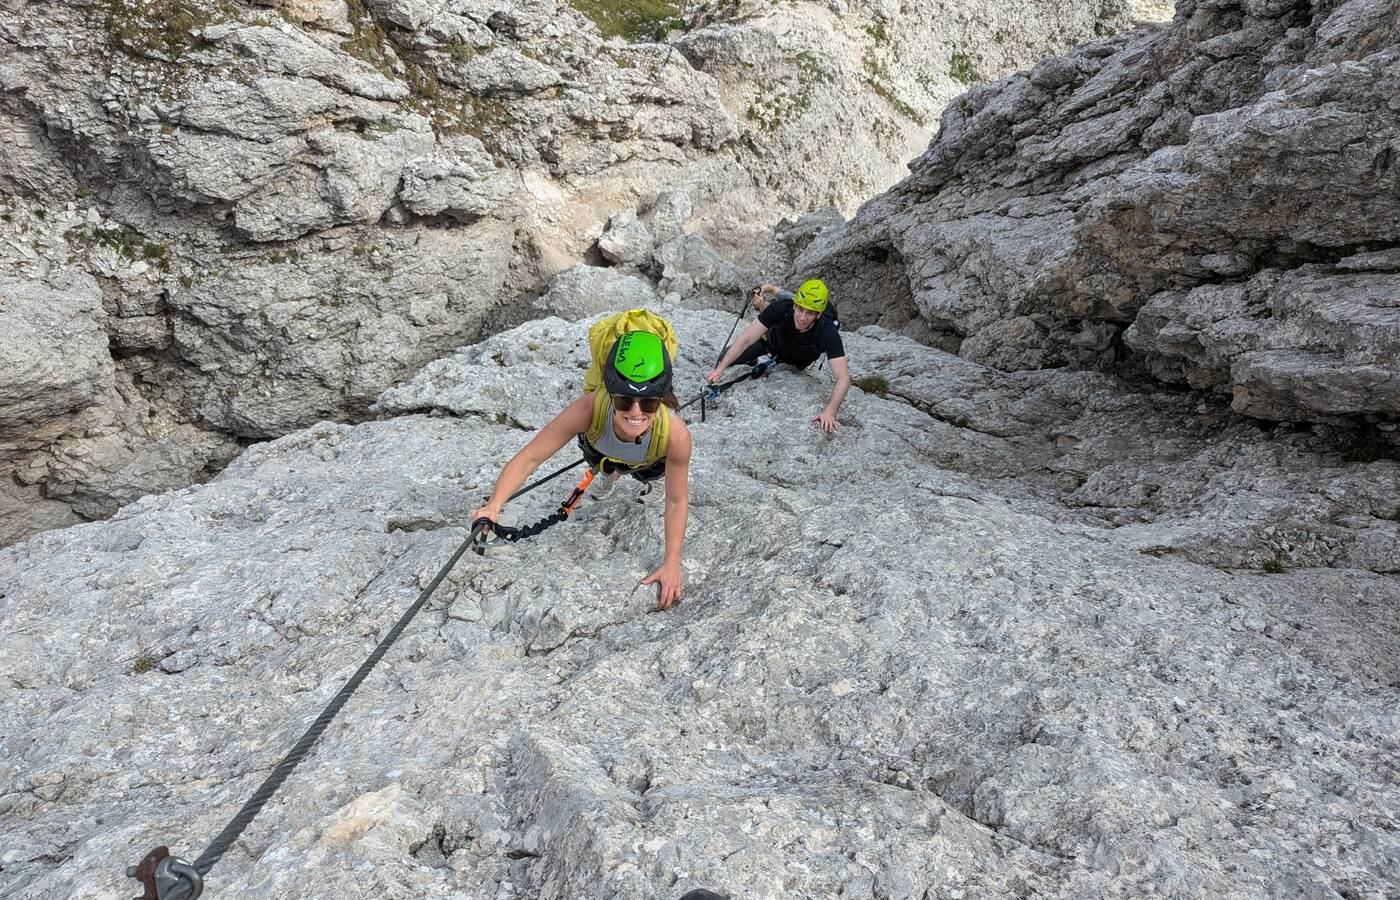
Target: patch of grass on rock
{"points": [[632, 20], [961, 69], [161, 29], [144, 664], [872, 384]]}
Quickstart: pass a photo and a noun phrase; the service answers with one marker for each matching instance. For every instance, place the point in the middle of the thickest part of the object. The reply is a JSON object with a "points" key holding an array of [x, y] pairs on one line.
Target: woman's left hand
{"points": [[669, 578]]}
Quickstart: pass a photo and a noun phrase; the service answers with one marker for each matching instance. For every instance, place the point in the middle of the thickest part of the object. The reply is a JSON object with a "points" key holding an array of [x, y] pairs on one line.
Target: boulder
{"points": [[626, 241], [53, 349], [593, 290]]}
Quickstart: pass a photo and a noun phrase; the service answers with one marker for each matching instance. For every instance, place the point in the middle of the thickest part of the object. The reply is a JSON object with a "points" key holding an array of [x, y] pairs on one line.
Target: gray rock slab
{"points": [[503, 72], [890, 684], [460, 180]]}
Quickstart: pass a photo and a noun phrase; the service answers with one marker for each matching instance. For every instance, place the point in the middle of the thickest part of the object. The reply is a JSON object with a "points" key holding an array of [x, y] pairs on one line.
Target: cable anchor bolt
{"points": [[166, 877]]}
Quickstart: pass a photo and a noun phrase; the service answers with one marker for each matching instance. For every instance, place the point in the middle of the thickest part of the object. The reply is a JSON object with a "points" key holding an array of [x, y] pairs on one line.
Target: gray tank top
{"points": [[631, 452]]}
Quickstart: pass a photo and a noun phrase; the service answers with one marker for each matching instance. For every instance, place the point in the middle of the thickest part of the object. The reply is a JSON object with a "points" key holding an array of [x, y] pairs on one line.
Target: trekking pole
{"points": [[550, 477], [743, 308], [755, 371]]}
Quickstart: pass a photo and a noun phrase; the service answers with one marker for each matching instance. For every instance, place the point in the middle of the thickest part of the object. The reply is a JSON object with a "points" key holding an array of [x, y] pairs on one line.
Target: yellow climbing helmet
{"points": [[811, 296]]}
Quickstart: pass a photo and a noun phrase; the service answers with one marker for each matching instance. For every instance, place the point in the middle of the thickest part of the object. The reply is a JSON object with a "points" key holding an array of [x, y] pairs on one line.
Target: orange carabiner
{"points": [[577, 495]]}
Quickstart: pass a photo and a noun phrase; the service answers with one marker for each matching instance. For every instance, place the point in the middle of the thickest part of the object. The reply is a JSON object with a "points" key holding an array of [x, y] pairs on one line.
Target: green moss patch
{"points": [[776, 104], [961, 69], [128, 243], [391, 51], [877, 75], [632, 20], [163, 29], [872, 384]]}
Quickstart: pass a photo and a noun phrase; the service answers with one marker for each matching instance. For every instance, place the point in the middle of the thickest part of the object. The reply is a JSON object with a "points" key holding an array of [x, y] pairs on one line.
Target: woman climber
{"points": [[626, 425]]}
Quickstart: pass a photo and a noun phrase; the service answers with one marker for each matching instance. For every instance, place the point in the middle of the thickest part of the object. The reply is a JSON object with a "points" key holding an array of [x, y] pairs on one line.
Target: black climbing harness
{"points": [[167, 877]]}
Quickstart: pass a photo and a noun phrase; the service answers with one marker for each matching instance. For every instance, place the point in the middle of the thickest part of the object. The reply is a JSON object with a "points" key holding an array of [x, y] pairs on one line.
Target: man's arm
{"points": [[826, 419], [677, 512], [752, 332]]}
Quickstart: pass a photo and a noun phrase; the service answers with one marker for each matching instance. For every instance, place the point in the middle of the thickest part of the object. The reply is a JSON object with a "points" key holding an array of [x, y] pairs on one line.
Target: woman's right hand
{"points": [[486, 512]]}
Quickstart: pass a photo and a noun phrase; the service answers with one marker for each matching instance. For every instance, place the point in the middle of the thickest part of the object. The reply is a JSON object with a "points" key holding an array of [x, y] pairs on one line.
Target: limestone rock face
{"points": [[690, 266], [187, 153], [833, 99], [1321, 339], [627, 241], [463, 183], [1041, 633], [1218, 193], [594, 290], [53, 350], [77, 437], [325, 331]]}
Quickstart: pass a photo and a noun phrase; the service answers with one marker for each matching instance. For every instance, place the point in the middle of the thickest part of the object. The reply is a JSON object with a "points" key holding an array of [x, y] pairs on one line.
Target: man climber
{"points": [[796, 328]]}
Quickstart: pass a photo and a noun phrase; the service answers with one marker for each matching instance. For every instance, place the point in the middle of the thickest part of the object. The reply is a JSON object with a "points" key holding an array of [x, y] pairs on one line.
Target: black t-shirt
{"points": [[799, 348]]}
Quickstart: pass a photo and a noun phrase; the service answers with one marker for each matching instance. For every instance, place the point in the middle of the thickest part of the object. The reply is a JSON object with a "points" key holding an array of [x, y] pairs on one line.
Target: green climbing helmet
{"points": [[812, 295], [638, 366]]}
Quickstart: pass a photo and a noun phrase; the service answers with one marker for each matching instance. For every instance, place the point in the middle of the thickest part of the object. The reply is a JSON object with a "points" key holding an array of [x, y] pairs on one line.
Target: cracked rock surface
{"points": [[958, 649]]}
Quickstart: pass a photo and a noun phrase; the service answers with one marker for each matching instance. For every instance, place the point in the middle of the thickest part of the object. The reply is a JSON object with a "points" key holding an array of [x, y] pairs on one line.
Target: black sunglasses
{"points": [[648, 404]]}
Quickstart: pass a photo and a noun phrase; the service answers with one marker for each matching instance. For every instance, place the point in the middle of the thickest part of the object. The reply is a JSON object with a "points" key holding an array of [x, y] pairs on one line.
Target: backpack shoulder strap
{"points": [[660, 435], [601, 404]]}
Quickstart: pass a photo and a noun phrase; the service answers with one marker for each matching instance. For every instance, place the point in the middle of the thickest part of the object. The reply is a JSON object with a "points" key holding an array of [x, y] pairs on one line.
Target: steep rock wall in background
{"points": [[1216, 203]]}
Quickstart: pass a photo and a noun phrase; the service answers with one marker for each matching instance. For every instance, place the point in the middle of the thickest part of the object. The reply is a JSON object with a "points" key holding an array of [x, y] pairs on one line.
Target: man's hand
{"points": [[763, 295], [826, 421], [486, 512], [669, 578], [714, 376]]}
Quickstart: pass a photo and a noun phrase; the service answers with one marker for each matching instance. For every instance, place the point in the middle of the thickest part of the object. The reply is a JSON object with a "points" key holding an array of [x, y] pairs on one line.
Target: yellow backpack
{"points": [[605, 332], [601, 337]]}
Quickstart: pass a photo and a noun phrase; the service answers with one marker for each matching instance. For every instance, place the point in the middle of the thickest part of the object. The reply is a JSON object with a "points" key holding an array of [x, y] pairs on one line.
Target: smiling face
{"points": [[630, 424], [804, 318]]}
